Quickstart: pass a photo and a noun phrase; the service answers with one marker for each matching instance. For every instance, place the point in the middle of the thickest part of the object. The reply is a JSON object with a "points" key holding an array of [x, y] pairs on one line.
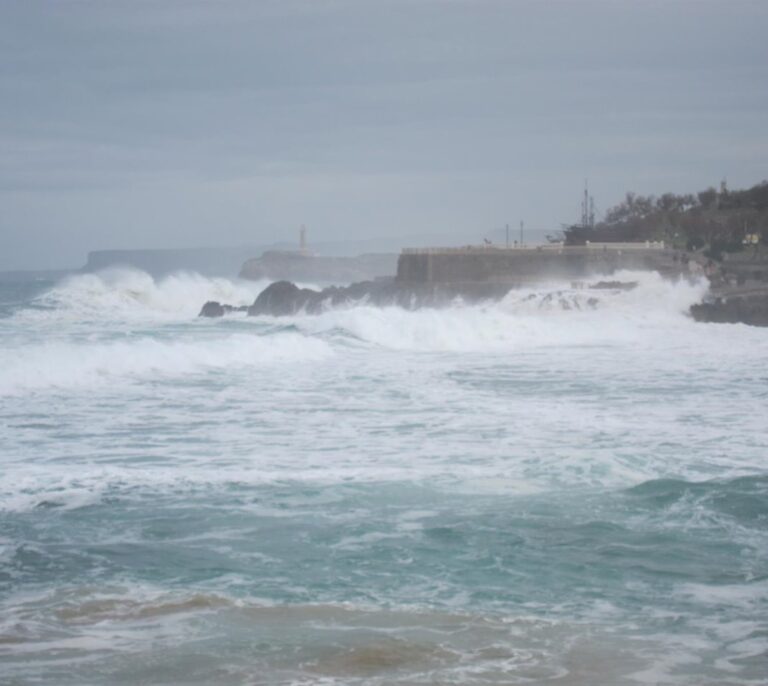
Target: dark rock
{"points": [[614, 285], [285, 298], [749, 309], [212, 309], [215, 309]]}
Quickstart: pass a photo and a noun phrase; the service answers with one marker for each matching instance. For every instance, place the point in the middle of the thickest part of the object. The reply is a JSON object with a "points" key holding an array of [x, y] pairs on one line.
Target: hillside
{"points": [[716, 220]]}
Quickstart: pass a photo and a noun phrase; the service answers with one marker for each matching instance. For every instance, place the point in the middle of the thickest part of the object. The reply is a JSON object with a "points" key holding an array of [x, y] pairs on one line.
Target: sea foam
{"points": [[548, 315], [84, 364], [130, 294]]}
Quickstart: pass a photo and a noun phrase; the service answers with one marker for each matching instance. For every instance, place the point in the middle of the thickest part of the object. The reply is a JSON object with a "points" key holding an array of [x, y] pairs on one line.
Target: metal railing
{"points": [[641, 245], [493, 248], [479, 249]]}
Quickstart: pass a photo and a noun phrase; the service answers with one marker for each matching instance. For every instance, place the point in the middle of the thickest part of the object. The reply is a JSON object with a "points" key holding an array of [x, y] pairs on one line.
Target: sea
{"points": [[568, 486]]}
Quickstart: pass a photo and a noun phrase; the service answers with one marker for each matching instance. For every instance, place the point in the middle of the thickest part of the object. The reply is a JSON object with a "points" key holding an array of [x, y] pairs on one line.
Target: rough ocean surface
{"points": [[532, 491]]}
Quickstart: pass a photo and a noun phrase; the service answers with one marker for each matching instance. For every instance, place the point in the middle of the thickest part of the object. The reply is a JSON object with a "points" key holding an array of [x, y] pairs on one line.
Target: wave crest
{"points": [[131, 294], [549, 315], [66, 364]]}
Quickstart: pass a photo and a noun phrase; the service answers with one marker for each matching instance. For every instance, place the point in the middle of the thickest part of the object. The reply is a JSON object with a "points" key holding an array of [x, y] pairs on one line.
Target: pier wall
{"points": [[522, 266]]}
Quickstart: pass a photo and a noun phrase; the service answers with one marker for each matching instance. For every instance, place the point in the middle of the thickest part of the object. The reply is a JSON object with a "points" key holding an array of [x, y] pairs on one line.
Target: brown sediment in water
{"points": [[126, 610], [317, 642], [384, 654]]}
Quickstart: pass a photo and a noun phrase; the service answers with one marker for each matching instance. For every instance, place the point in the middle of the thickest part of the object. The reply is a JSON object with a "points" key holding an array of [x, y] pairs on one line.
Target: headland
{"points": [[718, 234], [437, 277]]}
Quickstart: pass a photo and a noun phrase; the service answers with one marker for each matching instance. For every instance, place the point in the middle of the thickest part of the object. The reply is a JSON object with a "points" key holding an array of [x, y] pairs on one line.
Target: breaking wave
{"points": [[545, 316], [130, 294], [150, 328], [66, 364]]}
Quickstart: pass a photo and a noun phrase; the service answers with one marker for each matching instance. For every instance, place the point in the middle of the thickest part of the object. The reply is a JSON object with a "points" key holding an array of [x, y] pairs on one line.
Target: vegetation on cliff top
{"points": [[717, 220]]}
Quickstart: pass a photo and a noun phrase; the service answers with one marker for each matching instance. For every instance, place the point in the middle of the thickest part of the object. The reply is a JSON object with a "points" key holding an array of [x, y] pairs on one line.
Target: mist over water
{"points": [[568, 486]]}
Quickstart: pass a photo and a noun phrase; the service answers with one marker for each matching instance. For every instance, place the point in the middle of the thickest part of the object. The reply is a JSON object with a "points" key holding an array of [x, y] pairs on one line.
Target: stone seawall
{"points": [[523, 266]]}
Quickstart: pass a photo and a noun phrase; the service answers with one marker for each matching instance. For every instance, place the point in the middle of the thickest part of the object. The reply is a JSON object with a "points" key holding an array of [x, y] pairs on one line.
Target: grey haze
{"points": [[183, 124]]}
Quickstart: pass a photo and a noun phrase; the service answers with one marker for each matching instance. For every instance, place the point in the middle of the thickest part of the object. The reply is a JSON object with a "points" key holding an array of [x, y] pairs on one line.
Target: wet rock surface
{"points": [[215, 309], [614, 285], [746, 308], [285, 298]]}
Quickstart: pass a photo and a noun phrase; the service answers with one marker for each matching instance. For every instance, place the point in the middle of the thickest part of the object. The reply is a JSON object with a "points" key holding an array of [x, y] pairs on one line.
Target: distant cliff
{"points": [[158, 263]]}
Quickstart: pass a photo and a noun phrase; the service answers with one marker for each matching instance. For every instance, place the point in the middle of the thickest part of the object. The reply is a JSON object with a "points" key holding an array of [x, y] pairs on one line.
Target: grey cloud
{"points": [[178, 123]]}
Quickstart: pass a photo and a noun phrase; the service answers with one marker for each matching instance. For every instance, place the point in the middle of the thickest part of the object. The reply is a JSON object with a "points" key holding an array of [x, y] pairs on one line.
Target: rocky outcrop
{"points": [[745, 308], [738, 291], [216, 309], [614, 285], [285, 298]]}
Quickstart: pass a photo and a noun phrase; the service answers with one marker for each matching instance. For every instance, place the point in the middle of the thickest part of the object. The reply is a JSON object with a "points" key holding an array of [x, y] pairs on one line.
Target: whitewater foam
{"points": [[133, 295], [550, 315], [67, 365]]}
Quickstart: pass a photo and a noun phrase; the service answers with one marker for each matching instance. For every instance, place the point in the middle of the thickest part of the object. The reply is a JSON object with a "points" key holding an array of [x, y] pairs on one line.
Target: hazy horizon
{"points": [[180, 125]]}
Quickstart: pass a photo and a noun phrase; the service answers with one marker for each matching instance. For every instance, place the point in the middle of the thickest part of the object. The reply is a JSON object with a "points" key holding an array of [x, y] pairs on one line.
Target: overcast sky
{"points": [[180, 124]]}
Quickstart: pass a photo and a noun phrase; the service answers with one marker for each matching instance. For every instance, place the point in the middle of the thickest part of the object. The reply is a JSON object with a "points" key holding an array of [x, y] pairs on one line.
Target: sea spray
{"points": [[71, 365], [129, 294], [546, 316]]}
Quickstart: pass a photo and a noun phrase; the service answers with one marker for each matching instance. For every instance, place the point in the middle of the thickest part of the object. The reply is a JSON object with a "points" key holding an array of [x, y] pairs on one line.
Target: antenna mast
{"points": [[587, 208]]}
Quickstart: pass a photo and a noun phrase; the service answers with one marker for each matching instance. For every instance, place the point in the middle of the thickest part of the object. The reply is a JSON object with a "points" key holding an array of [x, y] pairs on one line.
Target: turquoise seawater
{"points": [[546, 490]]}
